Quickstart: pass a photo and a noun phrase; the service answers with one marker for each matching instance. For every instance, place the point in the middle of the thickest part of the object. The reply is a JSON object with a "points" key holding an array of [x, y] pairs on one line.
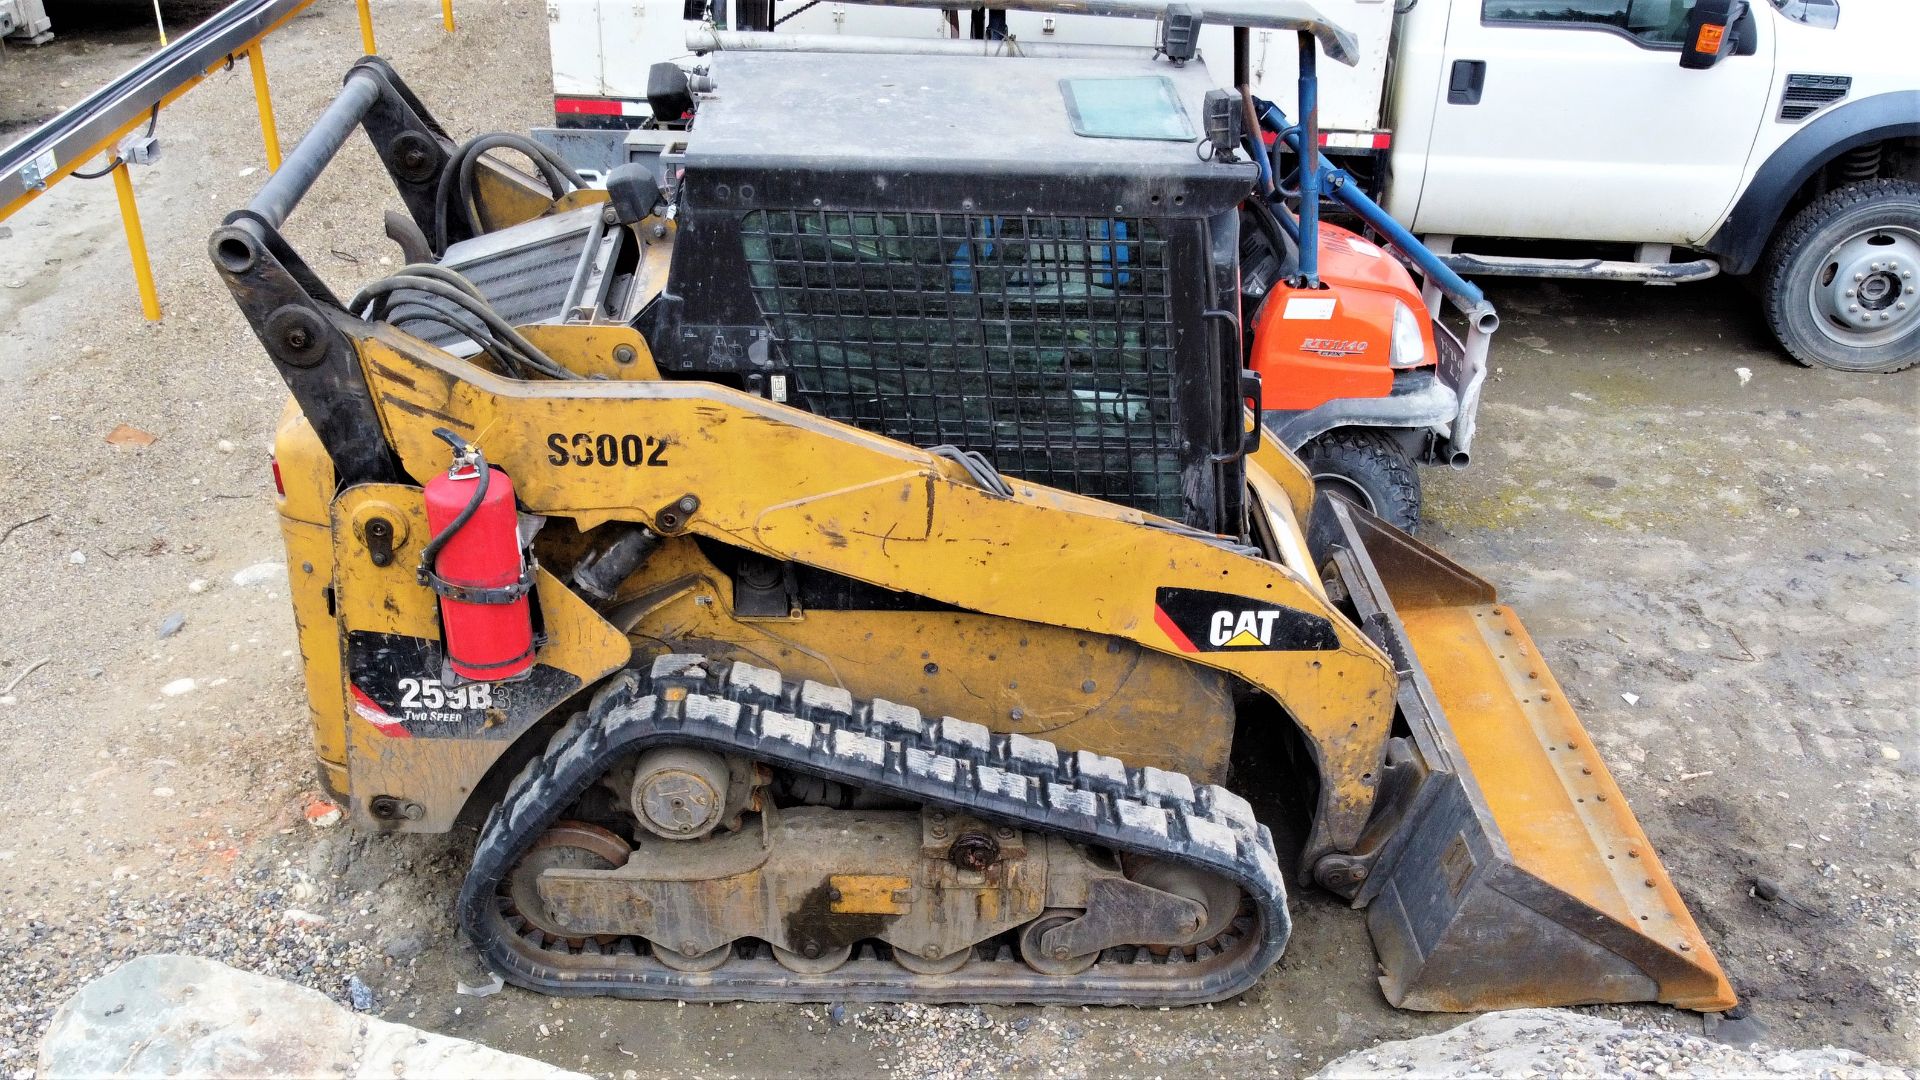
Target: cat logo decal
{"points": [[1199, 620]]}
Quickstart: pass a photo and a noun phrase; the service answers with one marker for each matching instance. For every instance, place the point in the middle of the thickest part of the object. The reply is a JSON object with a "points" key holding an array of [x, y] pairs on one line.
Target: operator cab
{"points": [[1033, 260]]}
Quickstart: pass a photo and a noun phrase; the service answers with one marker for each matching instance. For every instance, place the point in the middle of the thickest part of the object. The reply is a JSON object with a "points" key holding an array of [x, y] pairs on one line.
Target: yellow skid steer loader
{"points": [[837, 560]]}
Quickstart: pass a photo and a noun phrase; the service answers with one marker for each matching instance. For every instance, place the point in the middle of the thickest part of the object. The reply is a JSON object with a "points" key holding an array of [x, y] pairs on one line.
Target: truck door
{"points": [[1573, 119]]}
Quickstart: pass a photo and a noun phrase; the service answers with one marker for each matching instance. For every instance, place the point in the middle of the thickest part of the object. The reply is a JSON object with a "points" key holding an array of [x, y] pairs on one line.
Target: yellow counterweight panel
{"points": [[788, 484], [307, 474], [434, 774]]}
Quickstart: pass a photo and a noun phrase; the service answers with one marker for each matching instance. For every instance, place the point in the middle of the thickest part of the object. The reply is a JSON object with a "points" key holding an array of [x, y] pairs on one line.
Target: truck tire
{"points": [[1367, 466], [1841, 282]]}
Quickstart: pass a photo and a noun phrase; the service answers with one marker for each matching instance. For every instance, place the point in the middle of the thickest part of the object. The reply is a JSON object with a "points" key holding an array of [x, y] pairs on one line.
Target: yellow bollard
{"points": [[446, 14], [136, 243], [366, 27], [264, 100]]}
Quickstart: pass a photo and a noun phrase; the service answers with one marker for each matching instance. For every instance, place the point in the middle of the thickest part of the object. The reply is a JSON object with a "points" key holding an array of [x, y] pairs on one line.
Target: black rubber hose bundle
{"points": [[455, 188], [447, 298]]}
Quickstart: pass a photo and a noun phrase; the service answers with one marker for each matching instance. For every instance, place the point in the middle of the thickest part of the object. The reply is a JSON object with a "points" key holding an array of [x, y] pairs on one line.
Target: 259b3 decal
{"points": [[586, 448]]}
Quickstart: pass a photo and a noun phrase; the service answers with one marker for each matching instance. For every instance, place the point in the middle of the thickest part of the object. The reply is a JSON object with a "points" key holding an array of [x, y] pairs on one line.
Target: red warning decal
{"points": [[378, 717]]}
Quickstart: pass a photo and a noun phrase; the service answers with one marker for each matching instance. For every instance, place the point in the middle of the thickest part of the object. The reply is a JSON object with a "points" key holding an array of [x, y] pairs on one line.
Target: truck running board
{"points": [[1662, 273], [1507, 869]]}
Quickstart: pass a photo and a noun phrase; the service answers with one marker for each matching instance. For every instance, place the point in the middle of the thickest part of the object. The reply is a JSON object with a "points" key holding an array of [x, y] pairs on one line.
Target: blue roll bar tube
{"points": [[1337, 183], [1309, 151]]}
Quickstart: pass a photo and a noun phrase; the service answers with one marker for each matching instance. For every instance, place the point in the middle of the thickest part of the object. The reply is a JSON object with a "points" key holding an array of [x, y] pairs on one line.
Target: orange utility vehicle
{"points": [[1358, 374]]}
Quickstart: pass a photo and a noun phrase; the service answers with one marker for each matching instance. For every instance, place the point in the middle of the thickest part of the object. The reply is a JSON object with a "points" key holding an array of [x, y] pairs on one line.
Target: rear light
{"points": [[1409, 346], [279, 486]]}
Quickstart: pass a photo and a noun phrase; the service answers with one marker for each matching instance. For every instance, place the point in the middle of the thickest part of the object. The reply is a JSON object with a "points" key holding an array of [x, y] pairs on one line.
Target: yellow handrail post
{"points": [[136, 243], [366, 27], [269, 133], [446, 14]]}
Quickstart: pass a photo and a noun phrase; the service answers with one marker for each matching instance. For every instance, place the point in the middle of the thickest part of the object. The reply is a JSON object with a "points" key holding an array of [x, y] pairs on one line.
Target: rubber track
{"points": [[809, 727]]}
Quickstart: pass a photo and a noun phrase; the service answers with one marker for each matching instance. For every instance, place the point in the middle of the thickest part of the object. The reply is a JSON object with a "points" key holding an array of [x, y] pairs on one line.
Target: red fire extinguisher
{"points": [[473, 561]]}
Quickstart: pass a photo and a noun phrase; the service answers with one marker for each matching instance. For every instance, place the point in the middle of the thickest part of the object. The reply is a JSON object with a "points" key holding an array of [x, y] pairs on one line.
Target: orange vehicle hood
{"points": [[1312, 346]]}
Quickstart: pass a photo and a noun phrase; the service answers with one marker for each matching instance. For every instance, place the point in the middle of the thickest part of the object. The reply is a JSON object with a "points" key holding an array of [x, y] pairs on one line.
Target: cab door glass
{"points": [[1656, 23]]}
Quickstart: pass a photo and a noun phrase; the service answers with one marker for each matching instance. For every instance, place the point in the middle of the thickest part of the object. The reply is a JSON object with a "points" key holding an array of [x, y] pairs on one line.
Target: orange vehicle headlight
{"points": [[1409, 347]]}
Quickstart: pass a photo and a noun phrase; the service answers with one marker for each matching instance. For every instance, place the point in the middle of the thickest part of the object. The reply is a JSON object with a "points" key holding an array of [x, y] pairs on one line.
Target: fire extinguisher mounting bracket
{"points": [[502, 594]]}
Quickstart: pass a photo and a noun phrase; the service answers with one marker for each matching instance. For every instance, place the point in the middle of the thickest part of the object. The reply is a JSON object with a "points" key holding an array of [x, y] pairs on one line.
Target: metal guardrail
{"points": [[96, 125]]}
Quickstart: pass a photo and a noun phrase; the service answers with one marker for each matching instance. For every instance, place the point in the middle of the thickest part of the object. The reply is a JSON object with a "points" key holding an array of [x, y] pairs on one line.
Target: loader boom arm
{"points": [[776, 480]]}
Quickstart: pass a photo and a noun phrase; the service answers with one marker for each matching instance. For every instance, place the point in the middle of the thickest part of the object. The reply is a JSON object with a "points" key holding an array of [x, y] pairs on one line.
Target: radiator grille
{"points": [[1808, 94], [524, 278], [1044, 342]]}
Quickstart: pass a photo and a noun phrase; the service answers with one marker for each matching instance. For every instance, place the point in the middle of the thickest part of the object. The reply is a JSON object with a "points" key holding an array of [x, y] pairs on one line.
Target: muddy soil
{"points": [[1714, 547]]}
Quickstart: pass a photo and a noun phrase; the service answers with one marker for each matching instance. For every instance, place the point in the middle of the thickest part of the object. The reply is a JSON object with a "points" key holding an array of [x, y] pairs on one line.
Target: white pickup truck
{"points": [[1551, 138]]}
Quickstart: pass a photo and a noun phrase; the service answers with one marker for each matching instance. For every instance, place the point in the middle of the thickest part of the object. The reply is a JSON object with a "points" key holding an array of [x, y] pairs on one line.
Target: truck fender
{"points": [[1740, 242]]}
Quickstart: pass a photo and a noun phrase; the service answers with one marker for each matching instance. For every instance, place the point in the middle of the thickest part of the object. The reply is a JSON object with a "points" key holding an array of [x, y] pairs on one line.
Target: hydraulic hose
{"points": [[458, 317], [436, 285], [430, 310], [430, 555], [456, 178]]}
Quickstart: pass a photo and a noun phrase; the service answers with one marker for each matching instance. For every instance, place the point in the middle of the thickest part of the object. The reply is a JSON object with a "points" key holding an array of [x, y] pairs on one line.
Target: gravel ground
{"points": [[1681, 514], [1550, 1042]]}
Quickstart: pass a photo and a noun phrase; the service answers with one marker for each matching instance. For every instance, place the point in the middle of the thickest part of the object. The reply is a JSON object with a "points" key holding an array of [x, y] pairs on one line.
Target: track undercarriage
{"points": [[875, 855]]}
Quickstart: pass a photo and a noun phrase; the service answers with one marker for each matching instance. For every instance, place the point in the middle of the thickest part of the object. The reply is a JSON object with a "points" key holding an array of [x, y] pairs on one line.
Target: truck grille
{"points": [[1045, 343], [1808, 94]]}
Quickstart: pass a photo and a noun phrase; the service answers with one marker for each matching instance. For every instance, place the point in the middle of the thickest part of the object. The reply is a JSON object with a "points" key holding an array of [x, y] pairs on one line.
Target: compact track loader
{"points": [[839, 560]]}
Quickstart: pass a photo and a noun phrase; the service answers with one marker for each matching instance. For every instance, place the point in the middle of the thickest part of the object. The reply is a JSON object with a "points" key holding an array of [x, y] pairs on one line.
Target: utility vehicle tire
{"points": [[1367, 466], [1841, 282]]}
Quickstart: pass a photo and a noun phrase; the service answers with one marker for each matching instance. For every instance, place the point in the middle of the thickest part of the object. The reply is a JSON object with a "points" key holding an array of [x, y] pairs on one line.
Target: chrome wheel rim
{"points": [[1866, 292]]}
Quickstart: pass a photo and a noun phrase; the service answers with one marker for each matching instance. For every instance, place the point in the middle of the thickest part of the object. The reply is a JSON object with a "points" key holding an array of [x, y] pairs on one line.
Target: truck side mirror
{"points": [[1712, 26]]}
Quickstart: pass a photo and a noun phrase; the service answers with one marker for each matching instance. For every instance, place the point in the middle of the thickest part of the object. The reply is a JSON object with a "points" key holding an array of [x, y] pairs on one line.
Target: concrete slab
{"points": [[167, 1015]]}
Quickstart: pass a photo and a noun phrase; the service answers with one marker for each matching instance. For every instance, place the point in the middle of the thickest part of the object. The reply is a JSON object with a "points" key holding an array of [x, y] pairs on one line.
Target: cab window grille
{"points": [[1044, 342]]}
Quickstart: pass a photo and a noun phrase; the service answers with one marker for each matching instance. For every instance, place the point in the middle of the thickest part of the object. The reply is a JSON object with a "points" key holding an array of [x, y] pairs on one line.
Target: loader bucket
{"points": [[1510, 871]]}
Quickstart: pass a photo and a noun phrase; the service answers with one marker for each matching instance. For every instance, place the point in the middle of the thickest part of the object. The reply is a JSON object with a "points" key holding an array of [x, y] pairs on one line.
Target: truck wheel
{"points": [[1841, 282], [1369, 467]]}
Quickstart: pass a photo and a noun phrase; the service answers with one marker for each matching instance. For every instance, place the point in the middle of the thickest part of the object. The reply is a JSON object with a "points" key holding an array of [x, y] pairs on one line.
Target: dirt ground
{"points": [[1715, 548]]}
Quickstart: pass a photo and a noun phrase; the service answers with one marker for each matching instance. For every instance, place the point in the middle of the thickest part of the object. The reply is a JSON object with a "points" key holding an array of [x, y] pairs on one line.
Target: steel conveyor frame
{"points": [[54, 149]]}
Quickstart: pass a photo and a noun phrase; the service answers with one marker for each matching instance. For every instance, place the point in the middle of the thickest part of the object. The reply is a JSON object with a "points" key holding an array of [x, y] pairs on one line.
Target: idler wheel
{"points": [[569, 845], [1048, 963], [1220, 897]]}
